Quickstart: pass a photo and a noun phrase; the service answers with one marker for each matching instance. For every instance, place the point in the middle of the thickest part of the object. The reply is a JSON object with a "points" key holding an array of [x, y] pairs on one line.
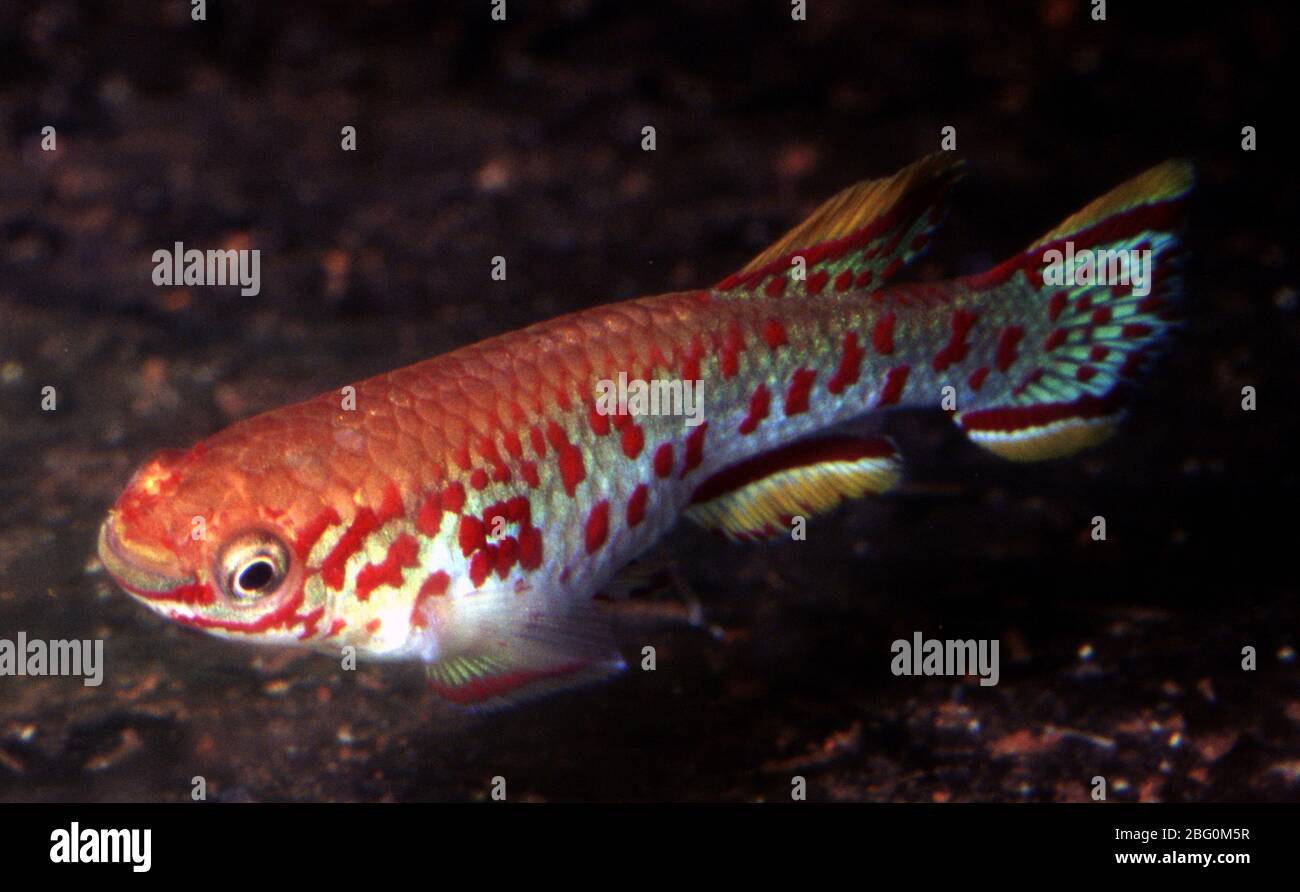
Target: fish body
{"points": [[466, 510]]}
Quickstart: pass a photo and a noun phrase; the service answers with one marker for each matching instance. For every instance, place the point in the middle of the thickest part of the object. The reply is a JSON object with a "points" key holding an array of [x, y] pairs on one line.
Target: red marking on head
{"points": [[844, 281], [333, 569], [1085, 373], [977, 377], [1056, 304], [732, 344], [775, 286], [478, 478], [530, 548], [817, 281], [529, 470], [435, 586], [185, 594], [694, 449], [1098, 353], [336, 626], [759, 405], [1055, 339], [1008, 342], [309, 623], [956, 348], [311, 533], [599, 421], [636, 504], [597, 526], [470, 534], [846, 373], [429, 519], [664, 460], [403, 552], [774, 333], [882, 336], [453, 498], [1101, 316], [796, 396], [633, 440], [895, 381], [374, 625]]}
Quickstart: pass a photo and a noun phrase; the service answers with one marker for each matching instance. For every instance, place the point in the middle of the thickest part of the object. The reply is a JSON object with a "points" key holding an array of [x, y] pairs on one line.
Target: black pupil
{"points": [[256, 575]]}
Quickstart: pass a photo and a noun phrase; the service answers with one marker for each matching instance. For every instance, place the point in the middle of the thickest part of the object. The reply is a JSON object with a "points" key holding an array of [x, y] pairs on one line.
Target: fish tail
{"points": [[1078, 336]]}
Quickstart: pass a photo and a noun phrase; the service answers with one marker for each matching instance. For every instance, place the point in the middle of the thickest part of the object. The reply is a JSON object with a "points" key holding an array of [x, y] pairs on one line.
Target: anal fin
{"points": [[756, 498]]}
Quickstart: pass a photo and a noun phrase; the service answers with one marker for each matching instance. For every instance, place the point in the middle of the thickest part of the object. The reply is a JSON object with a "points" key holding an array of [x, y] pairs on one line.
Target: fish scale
{"points": [[467, 510]]}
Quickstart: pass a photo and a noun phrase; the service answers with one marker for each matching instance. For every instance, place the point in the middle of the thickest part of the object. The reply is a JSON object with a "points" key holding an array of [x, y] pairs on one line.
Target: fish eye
{"points": [[252, 566]]}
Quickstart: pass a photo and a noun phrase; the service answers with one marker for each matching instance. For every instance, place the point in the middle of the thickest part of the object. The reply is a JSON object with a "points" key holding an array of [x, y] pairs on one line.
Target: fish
{"points": [[472, 511]]}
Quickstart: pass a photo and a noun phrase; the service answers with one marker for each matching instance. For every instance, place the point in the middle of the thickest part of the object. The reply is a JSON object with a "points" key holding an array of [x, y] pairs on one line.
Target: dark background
{"points": [[1119, 658]]}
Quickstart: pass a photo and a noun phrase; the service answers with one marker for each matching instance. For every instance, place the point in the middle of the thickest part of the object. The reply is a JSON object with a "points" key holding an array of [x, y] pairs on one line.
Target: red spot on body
{"points": [[844, 281], [470, 535], [732, 344], [530, 548], [556, 436], [500, 473], [529, 470], [434, 586], [1083, 304], [507, 554], [882, 336], [691, 362], [846, 374], [599, 421], [1054, 340], [775, 286], [633, 440], [977, 377], [478, 478], [512, 444], [597, 526], [892, 269], [1101, 315], [774, 333], [537, 441], [1098, 353], [1085, 373], [796, 396], [403, 552], [1135, 330], [864, 278], [374, 625], [664, 460], [694, 449], [453, 498], [956, 348], [895, 381], [817, 281], [636, 504], [1056, 304], [480, 566], [429, 518], [759, 405], [572, 470], [1008, 344]]}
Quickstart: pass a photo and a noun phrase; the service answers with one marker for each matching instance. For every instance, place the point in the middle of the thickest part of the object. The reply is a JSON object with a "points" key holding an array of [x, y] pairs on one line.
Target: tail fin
{"points": [[860, 237], [1089, 313]]}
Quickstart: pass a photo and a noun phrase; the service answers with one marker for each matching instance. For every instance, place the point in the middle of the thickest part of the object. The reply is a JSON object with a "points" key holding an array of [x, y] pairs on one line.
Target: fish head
{"points": [[208, 543]]}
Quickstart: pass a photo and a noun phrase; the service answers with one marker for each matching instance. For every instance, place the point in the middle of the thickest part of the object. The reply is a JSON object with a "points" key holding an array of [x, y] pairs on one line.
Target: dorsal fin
{"points": [[862, 235], [1170, 180], [756, 498]]}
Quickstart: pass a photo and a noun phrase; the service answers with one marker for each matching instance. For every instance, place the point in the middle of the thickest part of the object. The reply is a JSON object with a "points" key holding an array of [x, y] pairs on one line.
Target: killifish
{"points": [[469, 510]]}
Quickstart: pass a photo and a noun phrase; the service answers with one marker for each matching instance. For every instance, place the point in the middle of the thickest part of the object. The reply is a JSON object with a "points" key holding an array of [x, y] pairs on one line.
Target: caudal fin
{"points": [[1089, 313]]}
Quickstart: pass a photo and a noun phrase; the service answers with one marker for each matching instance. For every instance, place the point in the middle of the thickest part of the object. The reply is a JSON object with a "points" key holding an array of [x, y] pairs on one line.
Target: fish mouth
{"points": [[131, 568]]}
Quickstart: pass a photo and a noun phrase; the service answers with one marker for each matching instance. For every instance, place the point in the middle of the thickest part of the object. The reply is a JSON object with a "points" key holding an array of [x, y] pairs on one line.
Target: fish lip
{"points": [[130, 569]]}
